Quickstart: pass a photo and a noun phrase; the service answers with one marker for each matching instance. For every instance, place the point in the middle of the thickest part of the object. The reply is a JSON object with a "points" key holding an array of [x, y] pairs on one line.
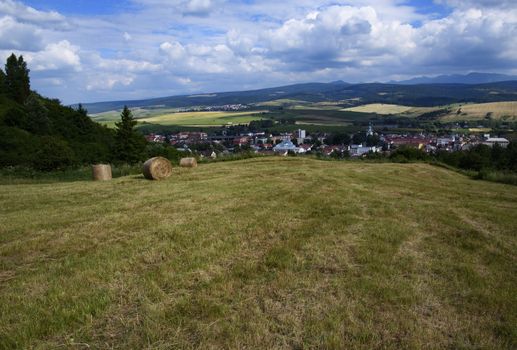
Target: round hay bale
{"points": [[101, 172], [188, 162], [157, 168]]}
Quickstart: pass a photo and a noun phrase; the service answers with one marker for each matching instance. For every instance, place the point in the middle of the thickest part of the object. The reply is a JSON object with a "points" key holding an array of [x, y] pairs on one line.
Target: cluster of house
{"points": [[287, 146], [450, 143], [228, 107], [300, 142], [181, 137]]}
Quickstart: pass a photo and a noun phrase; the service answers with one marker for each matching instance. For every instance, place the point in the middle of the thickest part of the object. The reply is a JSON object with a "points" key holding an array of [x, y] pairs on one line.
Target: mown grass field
{"points": [[262, 253]]}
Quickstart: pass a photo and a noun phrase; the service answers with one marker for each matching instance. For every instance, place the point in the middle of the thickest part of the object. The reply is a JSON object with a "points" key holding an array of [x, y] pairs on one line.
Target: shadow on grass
{"points": [[18, 175]]}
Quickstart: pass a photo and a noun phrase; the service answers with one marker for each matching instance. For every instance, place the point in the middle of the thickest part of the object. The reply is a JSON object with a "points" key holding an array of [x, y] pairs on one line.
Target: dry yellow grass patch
{"points": [[379, 108], [497, 110], [203, 118], [388, 109]]}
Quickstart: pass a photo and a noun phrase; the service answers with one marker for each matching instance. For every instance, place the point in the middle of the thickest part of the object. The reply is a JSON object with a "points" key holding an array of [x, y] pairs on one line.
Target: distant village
{"points": [[217, 108], [301, 142]]}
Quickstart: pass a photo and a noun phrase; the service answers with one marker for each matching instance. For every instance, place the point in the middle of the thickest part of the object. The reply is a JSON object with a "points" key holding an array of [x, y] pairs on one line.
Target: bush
{"points": [[166, 151], [17, 147], [53, 154], [406, 153], [497, 176]]}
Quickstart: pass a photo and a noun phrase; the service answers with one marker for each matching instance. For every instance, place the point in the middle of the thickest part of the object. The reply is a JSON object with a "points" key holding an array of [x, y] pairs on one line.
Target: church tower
{"points": [[370, 130]]}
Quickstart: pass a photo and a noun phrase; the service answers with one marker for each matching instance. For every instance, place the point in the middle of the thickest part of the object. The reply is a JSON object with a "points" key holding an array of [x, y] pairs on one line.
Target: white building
{"points": [[491, 141], [286, 146], [445, 141], [359, 150]]}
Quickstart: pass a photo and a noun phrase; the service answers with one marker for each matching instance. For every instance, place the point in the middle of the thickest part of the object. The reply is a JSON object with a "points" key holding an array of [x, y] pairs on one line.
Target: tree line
{"points": [[41, 133]]}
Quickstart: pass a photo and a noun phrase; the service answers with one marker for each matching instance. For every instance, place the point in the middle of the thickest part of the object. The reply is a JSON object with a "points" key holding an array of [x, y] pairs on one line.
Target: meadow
{"points": [[458, 112], [506, 111], [186, 119], [261, 253], [379, 108], [204, 118], [314, 117]]}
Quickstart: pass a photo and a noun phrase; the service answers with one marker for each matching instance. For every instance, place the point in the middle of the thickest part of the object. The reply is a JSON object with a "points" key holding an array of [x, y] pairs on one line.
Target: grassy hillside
{"points": [[262, 253]]}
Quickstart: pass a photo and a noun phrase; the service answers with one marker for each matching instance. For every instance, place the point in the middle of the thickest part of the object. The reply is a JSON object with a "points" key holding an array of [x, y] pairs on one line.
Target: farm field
{"points": [[262, 253], [204, 118], [319, 117], [138, 113], [389, 109], [498, 110], [280, 102], [298, 104], [380, 108], [328, 115], [194, 119]]}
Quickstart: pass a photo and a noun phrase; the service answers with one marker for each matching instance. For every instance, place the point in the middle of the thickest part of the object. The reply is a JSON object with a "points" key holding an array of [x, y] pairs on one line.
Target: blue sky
{"points": [[82, 7], [88, 50]]}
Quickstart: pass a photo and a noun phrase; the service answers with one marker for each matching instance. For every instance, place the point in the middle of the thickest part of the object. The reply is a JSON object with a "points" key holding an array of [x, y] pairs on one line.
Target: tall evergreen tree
{"points": [[3, 89], [17, 78], [129, 144], [83, 111], [37, 115]]}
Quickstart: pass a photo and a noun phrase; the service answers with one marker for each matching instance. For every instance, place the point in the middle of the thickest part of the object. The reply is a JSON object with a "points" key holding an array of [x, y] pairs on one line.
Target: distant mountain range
{"points": [[418, 94], [472, 78]]}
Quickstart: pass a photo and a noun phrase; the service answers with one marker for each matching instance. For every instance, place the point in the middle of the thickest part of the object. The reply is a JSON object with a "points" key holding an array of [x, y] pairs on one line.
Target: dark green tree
{"points": [[340, 139], [83, 111], [129, 144], [359, 138], [17, 78], [82, 121], [511, 152], [53, 153], [3, 88], [37, 115], [372, 140], [16, 117]]}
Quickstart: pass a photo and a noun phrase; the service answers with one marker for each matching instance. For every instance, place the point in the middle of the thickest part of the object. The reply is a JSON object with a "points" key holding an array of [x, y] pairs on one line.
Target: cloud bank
{"points": [[159, 47]]}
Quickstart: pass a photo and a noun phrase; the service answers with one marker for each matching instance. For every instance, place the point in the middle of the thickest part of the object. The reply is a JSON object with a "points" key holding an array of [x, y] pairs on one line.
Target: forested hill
{"points": [[40, 133], [411, 95]]}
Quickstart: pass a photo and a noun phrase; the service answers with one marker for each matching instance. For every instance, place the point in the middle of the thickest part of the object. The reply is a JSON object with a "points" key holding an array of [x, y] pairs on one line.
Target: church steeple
{"points": [[370, 130]]}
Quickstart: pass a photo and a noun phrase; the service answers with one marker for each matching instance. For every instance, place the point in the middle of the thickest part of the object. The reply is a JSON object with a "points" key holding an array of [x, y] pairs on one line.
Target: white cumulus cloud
{"points": [[28, 14], [19, 36], [165, 47], [57, 56]]}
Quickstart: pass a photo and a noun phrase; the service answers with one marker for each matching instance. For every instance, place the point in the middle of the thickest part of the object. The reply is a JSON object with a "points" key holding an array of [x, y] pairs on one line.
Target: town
{"points": [[340, 145]]}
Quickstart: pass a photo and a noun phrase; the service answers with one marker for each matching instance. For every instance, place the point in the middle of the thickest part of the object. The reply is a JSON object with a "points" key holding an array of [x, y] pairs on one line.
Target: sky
{"points": [[93, 50]]}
